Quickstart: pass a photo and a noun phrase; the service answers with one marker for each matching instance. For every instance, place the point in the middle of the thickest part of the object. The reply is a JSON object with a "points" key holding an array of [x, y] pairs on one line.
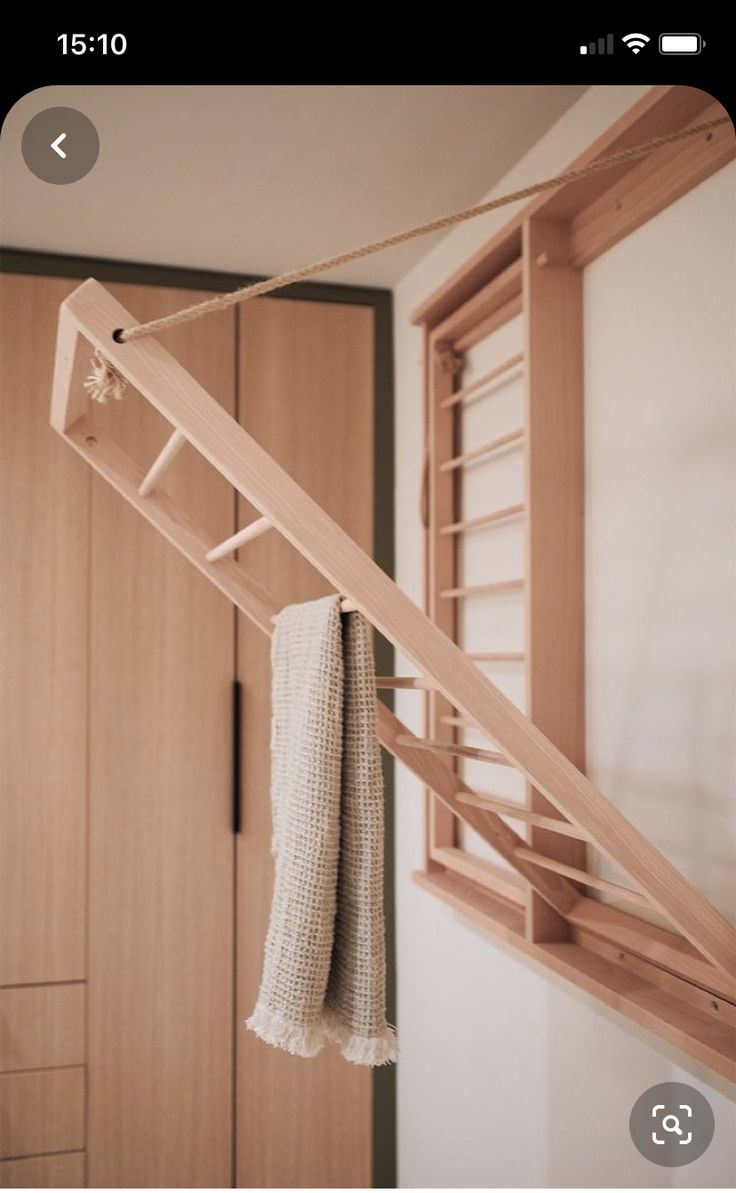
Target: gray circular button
{"points": [[60, 145], [672, 1124]]}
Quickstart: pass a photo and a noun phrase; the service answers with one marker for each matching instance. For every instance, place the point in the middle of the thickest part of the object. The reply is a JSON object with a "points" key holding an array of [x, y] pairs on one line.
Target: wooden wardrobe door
{"points": [[43, 665], [44, 557], [306, 395], [161, 858]]}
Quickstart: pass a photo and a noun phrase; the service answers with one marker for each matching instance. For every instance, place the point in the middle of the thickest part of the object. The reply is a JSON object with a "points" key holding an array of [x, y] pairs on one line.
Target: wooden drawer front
{"points": [[43, 1172], [41, 1112], [42, 1027]]}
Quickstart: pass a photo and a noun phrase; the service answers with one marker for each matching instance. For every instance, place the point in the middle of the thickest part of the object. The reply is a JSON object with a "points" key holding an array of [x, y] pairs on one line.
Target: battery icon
{"points": [[680, 43]]}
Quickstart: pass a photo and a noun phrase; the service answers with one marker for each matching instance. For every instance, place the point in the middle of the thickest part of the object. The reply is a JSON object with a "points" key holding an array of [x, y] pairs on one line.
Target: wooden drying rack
{"points": [[531, 272], [692, 1000]]}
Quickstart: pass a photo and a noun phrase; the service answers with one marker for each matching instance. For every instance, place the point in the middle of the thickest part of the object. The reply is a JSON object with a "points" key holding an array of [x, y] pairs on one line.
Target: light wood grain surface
{"points": [[440, 558], [482, 306], [306, 395], [43, 664], [42, 1026], [555, 526], [65, 1171], [160, 845], [41, 1111]]}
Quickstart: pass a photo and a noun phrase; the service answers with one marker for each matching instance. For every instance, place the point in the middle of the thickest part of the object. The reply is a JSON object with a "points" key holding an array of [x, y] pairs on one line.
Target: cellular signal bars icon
{"points": [[603, 46]]}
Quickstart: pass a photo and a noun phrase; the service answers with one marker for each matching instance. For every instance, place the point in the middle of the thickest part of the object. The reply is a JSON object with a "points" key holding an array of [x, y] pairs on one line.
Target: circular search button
{"points": [[672, 1124]]}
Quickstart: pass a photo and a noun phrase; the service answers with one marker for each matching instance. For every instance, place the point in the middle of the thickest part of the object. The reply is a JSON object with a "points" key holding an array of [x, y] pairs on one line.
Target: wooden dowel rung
{"points": [[346, 606], [451, 594], [519, 812], [445, 747], [509, 511], [246, 535], [404, 681], [591, 880], [169, 452], [486, 379], [496, 656], [484, 450], [459, 723]]}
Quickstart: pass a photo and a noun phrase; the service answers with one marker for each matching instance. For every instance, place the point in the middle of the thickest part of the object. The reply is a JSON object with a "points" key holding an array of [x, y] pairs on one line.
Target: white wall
{"points": [[661, 575], [507, 1076]]}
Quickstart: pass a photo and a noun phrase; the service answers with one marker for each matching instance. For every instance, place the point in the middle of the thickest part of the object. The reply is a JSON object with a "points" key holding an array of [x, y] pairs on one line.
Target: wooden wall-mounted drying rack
{"points": [[521, 296], [704, 943]]}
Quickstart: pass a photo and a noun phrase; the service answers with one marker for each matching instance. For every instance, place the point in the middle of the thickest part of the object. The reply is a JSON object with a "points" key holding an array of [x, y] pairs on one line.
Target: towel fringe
{"points": [[298, 1039], [363, 1050], [308, 1039], [380, 1050]]}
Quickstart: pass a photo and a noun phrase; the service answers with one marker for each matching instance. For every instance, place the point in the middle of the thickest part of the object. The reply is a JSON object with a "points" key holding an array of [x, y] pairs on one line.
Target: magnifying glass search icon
{"points": [[675, 1127]]}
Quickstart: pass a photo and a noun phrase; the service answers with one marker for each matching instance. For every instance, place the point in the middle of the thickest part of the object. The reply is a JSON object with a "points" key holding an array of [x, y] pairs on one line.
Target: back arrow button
{"points": [[60, 157]]}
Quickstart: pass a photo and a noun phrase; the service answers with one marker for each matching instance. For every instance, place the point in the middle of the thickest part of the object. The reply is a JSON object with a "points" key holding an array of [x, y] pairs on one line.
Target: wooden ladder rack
{"points": [[707, 944], [515, 431], [92, 313]]}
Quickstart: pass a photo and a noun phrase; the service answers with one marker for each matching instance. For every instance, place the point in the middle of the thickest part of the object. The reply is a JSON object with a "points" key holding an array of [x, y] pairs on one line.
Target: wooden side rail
{"points": [[93, 313]]}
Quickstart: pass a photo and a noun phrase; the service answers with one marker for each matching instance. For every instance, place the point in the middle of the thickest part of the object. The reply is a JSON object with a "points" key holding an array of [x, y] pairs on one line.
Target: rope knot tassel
{"points": [[104, 382]]}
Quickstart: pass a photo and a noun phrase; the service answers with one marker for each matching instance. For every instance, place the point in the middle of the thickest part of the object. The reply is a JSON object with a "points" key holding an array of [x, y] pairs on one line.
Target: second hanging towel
{"points": [[324, 969]]}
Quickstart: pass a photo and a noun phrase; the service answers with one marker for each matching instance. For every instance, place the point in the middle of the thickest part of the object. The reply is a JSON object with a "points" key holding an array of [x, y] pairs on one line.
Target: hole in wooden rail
{"points": [[117, 335], [715, 1006], [91, 440]]}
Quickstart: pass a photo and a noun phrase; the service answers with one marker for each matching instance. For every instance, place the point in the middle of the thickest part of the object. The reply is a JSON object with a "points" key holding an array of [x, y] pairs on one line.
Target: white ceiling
{"points": [[260, 179]]}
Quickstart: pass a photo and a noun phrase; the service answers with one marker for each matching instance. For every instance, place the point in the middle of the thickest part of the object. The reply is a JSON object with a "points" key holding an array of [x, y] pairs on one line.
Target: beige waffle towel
{"points": [[324, 970]]}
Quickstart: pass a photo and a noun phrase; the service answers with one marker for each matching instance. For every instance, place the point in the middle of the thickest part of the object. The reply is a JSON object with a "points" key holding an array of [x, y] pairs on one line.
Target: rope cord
{"points": [[223, 301], [106, 382]]}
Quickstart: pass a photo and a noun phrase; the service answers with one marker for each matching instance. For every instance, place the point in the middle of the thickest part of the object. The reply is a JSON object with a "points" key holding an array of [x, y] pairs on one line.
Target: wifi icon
{"points": [[635, 41]]}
